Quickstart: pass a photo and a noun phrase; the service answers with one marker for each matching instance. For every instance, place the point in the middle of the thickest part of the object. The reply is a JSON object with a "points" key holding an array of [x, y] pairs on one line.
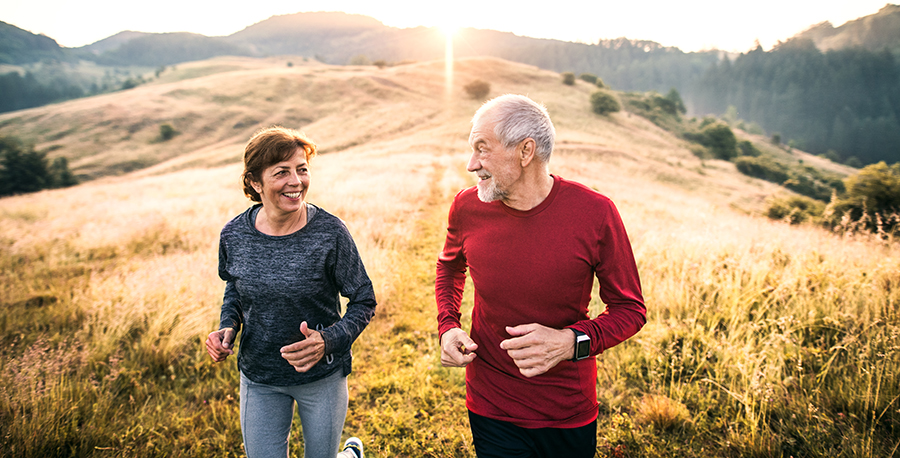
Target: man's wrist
{"points": [[582, 348]]}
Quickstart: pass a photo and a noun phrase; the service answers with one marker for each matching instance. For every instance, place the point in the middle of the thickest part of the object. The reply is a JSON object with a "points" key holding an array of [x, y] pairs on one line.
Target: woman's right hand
{"points": [[219, 344]]}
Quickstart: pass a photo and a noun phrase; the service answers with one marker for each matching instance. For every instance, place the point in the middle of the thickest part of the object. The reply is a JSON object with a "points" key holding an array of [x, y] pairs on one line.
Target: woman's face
{"points": [[284, 184]]}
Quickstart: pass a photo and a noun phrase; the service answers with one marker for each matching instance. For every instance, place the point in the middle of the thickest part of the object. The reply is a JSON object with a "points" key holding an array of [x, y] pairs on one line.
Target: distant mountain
{"points": [[874, 32], [113, 42], [169, 48], [19, 46], [309, 33], [336, 38]]}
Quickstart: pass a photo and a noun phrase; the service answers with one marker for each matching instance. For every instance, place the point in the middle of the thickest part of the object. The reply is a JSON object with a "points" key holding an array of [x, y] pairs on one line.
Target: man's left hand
{"points": [[536, 348]]}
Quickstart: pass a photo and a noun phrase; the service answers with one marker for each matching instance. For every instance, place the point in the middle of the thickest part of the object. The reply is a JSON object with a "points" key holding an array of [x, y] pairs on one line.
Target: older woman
{"points": [[285, 262]]}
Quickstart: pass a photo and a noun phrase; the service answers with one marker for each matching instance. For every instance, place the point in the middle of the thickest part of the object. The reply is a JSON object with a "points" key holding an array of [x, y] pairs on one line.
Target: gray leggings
{"points": [[267, 412]]}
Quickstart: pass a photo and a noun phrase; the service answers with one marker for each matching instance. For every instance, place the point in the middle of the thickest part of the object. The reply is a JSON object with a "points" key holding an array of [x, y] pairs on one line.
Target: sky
{"points": [[690, 25]]}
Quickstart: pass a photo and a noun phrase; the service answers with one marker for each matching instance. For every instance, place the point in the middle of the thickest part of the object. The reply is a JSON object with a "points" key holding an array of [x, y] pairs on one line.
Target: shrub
{"points": [[359, 59], [763, 168], [872, 197], [720, 140], [130, 83], [166, 132], [599, 83], [747, 148], [588, 77], [795, 209], [568, 78], [853, 161], [478, 89], [603, 102], [664, 104]]}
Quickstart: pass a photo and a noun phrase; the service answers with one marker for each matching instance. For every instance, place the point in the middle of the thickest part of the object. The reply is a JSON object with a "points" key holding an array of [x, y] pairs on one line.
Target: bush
{"points": [[795, 209], [720, 140], [763, 168], [599, 83], [568, 78], [853, 161], [478, 89], [747, 148], [603, 102], [359, 59], [872, 197], [166, 132], [588, 77]]}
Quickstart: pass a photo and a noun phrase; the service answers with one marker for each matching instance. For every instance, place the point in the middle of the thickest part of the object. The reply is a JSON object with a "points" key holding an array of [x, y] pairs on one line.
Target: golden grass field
{"points": [[763, 339]]}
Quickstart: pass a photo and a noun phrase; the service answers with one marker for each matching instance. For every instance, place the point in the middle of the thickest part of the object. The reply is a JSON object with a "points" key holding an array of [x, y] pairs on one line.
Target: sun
{"points": [[448, 23], [448, 28]]}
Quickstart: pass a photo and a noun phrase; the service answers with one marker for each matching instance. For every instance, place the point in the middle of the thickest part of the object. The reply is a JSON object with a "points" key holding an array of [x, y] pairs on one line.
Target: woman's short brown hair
{"points": [[268, 147]]}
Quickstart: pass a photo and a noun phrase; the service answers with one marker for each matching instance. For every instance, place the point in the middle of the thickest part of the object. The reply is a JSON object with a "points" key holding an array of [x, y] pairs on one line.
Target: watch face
{"points": [[582, 347]]}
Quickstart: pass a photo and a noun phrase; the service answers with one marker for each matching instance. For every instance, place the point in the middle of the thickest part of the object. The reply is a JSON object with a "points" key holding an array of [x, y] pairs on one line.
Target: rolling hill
{"points": [[763, 338], [215, 105]]}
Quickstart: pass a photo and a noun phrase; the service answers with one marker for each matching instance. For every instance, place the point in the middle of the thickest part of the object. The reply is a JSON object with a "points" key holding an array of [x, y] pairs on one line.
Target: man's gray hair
{"points": [[518, 117]]}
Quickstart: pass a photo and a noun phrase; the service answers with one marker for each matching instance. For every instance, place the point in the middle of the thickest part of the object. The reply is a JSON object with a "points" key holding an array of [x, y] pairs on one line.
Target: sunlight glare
{"points": [[448, 27]]}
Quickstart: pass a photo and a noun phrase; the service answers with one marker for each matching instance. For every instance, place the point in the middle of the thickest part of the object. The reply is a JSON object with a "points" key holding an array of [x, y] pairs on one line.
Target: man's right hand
{"points": [[219, 344], [457, 349]]}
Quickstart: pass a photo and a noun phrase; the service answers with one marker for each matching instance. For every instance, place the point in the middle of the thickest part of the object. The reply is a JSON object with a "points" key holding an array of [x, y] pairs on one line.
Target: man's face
{"points": [[496, 166]]}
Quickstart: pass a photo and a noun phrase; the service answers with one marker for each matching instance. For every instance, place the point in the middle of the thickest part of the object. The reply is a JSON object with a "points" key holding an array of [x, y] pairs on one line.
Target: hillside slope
{"points": [[215, 106], [109, 288]]}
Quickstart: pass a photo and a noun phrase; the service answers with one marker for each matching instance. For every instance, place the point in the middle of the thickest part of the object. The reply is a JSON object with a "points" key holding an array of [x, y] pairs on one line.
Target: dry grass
{"points": [[763, 339]]}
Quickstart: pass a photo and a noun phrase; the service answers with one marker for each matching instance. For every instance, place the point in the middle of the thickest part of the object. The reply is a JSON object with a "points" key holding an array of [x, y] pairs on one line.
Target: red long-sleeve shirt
{"points": [[537, 266]]}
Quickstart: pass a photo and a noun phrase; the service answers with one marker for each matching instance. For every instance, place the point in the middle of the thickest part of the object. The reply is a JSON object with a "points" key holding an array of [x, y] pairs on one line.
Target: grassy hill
{"points": [[763, 339], [216, 105]]}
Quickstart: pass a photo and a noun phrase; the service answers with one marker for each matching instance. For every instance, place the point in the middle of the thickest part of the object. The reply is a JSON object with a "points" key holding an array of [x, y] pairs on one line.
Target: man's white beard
{"points": [[488, 191]]}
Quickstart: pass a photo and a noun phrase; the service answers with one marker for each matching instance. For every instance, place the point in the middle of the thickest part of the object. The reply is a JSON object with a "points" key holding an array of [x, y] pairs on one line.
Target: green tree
{"points": [[23, 170], [568, 78], [675, 99], [60, 175], [603, 102]]}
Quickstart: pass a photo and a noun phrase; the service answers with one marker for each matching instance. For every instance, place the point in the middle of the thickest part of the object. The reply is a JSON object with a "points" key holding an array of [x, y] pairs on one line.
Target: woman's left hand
{"points": [[303, 355]]}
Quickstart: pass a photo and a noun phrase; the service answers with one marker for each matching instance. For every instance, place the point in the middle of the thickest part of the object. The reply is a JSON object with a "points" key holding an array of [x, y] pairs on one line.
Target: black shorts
{"points": [[500, 439]]}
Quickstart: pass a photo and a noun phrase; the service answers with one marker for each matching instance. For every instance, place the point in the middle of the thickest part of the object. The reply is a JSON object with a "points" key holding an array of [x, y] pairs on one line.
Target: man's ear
{"points": [[525, 150]]}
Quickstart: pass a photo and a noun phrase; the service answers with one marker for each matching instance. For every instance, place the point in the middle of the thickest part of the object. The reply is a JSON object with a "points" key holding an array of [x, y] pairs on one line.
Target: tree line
{"points": [[844, 103]]}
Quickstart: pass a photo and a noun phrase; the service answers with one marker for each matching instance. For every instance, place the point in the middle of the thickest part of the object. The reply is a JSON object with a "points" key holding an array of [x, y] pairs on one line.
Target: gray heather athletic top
{"points": [[273, 283]]}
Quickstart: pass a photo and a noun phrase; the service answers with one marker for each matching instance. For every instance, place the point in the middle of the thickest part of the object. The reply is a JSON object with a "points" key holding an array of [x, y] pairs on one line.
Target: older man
{"points": [[532, 243]]}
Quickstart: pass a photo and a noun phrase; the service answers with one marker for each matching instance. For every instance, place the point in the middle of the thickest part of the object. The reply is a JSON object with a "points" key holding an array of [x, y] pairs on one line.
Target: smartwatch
{"points": [[582, 345]]}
